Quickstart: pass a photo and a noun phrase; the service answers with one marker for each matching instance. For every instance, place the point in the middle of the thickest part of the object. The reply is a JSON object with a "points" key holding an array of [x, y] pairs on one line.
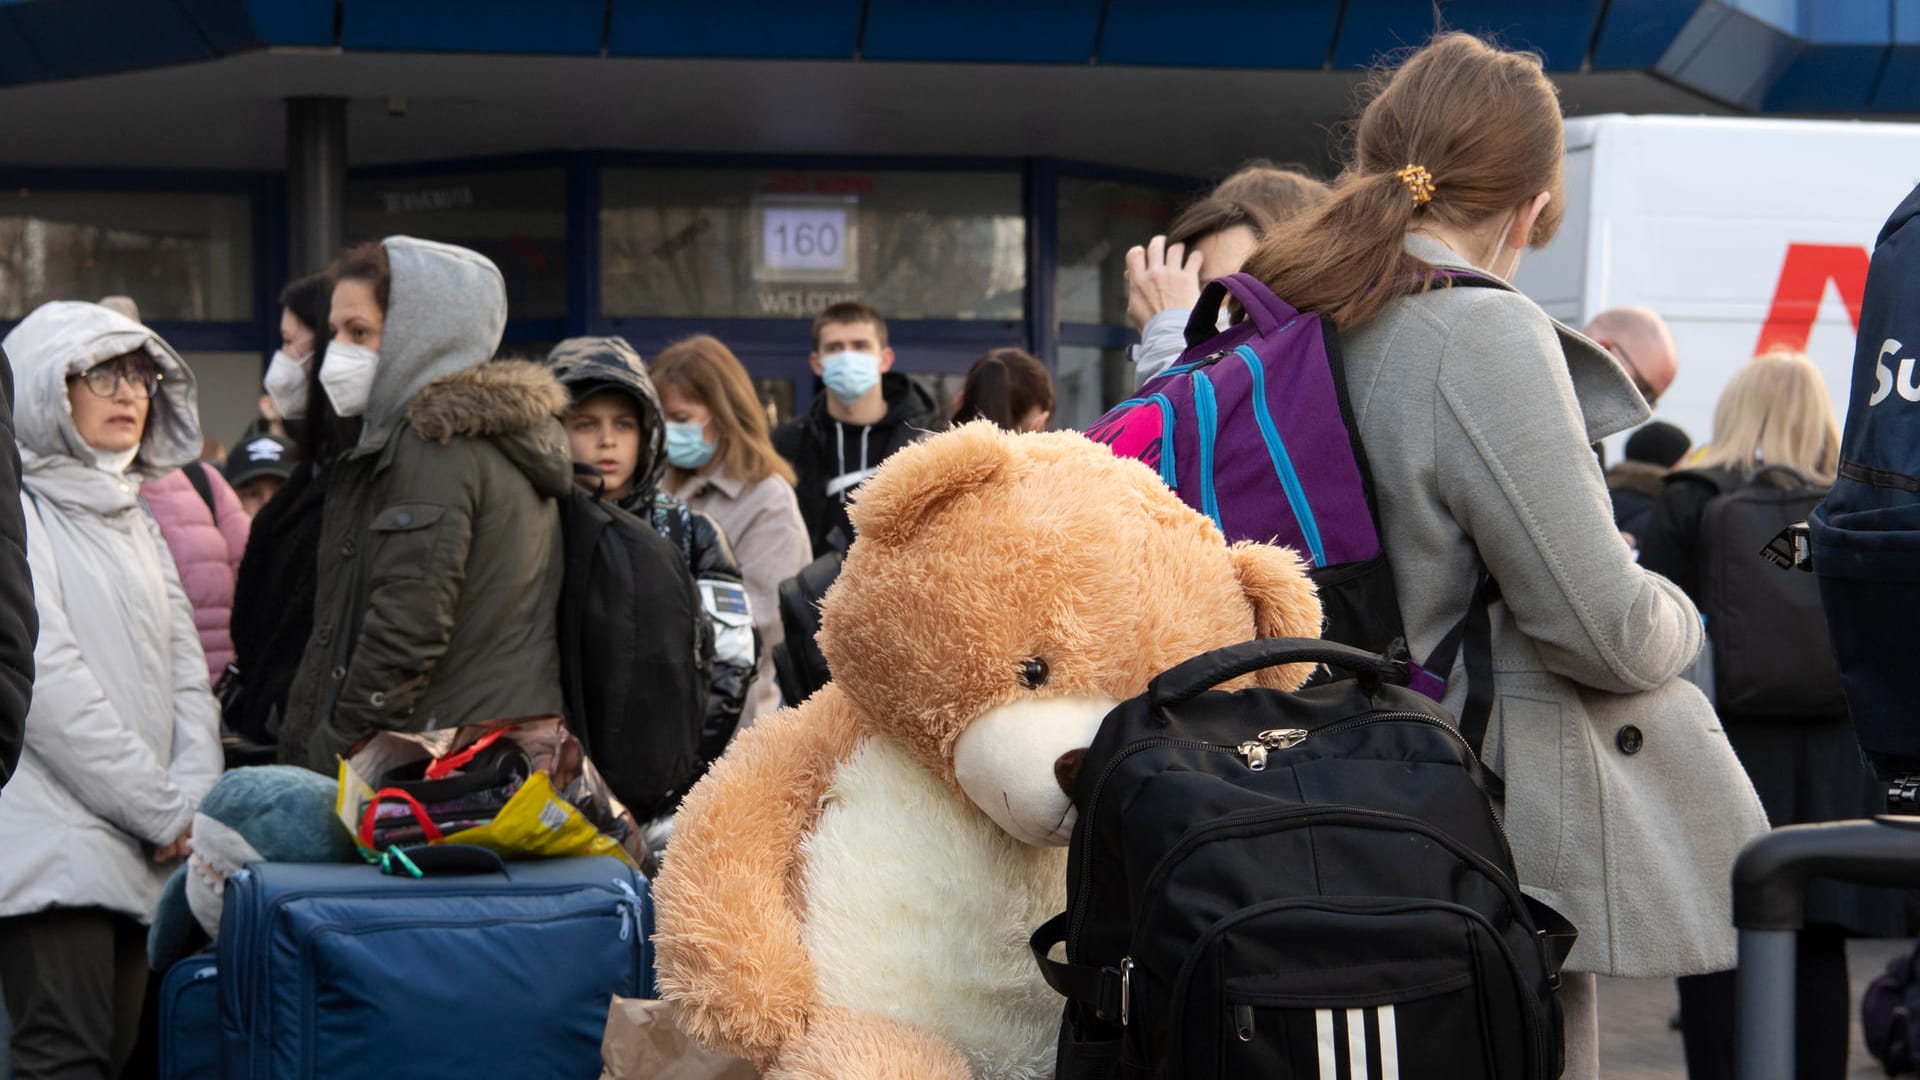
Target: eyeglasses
{"points": [[1640, 382], [105, 379]]}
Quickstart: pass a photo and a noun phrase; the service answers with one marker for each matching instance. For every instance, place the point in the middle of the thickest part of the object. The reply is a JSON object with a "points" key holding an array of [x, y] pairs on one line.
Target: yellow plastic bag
{"points": [[535, 823]]}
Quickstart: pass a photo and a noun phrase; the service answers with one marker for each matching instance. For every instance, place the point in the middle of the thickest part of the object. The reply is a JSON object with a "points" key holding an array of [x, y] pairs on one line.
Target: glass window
{"points": [[1099, 221], [179, 256], [1087, 383], [517, 218], [227, 385], [784, 245]]}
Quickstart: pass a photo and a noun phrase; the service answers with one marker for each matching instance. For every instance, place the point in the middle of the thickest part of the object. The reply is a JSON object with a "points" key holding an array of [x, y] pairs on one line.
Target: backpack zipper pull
{"points": [[1255, 750], [1243, 1022], [1256, 755]]}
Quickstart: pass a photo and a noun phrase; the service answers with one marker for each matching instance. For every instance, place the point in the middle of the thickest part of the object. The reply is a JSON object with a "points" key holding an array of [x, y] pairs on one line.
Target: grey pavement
{"points": [[1636, 1044]]}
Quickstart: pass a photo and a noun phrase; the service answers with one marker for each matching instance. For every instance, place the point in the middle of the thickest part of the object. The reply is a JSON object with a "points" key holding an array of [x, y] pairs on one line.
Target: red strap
{"points": [[434, 835], [441, 768]]}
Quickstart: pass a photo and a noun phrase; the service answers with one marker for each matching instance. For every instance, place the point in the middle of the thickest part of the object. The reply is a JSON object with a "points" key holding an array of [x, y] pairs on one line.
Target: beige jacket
{"points": [[1478, 413], [769, 538]]}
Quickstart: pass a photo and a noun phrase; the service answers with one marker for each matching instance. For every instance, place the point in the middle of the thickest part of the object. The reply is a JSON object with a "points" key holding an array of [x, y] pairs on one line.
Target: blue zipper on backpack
{"points": [[1207, 416], [1167, 472], [1282, 462]]}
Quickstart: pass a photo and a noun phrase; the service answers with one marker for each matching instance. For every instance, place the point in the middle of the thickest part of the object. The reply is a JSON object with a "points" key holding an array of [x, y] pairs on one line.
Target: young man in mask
{"points": [[866, 413]]}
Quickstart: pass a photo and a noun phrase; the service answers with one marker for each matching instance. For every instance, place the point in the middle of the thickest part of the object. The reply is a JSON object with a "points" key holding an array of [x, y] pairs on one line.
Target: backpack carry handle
{"points": [[1268, 312], [1189, 680]]}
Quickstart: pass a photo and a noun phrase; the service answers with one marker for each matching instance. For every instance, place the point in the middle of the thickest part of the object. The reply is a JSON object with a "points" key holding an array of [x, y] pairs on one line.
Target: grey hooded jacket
{"points": [[1625, 803], [123, 736], [439, 568]]}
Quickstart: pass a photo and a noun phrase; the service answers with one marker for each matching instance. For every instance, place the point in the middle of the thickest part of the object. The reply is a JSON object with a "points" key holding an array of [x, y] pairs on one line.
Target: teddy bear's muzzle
{"points": [[1019, 762]]}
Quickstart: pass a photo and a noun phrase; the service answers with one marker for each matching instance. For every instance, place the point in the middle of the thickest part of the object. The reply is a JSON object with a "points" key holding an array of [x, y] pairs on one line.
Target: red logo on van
{"points": [[1803, 281]]}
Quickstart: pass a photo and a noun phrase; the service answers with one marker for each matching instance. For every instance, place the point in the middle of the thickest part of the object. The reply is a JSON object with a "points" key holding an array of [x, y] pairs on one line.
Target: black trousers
{"points": [[75, 980], [1823, 1011]]}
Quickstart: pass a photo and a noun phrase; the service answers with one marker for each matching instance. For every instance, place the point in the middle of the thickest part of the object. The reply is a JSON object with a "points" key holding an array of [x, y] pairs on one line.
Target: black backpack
{"points": [[632, 671], [797, 662], [1772, 655], [1284, 884]]}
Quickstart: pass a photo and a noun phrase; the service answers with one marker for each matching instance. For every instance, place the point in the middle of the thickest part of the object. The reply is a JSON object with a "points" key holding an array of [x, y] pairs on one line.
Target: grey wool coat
{"points": [[1478, 413]]}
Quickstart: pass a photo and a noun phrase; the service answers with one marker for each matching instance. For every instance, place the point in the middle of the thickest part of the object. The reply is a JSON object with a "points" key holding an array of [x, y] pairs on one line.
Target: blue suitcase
{"points": [[189, 1022], [475, 969]]}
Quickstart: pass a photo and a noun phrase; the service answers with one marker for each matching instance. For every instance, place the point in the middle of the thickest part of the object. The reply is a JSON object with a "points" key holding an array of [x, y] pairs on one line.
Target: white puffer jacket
{"points": [[123, 737]]}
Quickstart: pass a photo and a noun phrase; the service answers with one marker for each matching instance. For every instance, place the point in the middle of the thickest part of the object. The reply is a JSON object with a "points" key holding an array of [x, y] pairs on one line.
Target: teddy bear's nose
{"points": [[1066, 769]]}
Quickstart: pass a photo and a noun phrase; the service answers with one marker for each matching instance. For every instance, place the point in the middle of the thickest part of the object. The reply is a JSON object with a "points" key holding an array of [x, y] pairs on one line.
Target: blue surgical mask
{"points": [[850, 375], [687, 448]]}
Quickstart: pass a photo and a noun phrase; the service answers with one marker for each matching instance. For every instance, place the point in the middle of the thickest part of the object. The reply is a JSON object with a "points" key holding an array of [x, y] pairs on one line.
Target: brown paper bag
{"points": [[643, 1043]]}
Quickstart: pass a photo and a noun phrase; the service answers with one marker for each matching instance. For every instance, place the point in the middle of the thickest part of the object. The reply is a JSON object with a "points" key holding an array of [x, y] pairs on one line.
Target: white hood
{"points": [[65, 338]]}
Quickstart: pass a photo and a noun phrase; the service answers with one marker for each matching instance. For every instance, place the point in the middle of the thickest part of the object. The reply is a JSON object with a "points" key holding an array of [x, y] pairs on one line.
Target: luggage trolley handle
{"points": [[1189, 680], [1769, 907]]}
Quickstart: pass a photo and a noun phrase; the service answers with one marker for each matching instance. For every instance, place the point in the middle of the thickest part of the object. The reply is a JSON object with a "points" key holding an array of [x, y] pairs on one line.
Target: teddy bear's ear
{"points": [[1285, 603], [919, 479]]}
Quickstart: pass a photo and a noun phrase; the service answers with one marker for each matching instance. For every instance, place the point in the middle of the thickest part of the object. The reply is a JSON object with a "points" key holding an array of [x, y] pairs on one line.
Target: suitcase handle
{"points": [[1178, 685], [1769, 908], [455, 859]]}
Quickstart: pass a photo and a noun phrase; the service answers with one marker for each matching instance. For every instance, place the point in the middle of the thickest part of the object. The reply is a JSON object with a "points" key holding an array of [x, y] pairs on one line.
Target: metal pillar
{"points": [[316, 182]]}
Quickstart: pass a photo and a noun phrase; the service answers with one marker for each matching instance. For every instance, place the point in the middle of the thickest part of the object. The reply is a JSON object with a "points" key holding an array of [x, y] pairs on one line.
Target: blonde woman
{"points": [[721, 462], [1775, 412]]}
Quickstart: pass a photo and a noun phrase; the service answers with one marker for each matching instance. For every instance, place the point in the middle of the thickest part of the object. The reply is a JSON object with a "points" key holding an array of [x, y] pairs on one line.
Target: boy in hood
{"points": [[867, 413], [617, 433]]}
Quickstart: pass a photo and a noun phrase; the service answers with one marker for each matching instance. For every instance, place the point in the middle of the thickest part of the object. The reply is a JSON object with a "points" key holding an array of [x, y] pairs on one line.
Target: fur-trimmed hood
{"points": [[1641, 476], [446, 310], [513, 404]]}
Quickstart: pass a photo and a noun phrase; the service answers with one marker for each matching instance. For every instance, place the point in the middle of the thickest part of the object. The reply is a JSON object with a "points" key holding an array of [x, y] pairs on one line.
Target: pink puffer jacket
{"points": [[206, 551]]}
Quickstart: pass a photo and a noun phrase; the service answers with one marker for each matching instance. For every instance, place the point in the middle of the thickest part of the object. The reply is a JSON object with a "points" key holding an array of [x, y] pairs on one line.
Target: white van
{"points": [[1742, 233]]}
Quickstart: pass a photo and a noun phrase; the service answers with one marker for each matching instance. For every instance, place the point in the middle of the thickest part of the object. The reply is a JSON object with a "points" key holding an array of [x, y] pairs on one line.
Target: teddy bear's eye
{"points": [[1033, 673]]}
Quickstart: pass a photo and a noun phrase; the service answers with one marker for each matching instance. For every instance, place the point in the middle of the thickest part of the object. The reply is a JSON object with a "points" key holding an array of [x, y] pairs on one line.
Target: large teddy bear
{"points": [[849, 892]]}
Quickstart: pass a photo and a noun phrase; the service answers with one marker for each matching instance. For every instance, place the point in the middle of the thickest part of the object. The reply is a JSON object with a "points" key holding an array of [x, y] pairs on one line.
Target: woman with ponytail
{"points": [[1008, 387], [1624, 803]]}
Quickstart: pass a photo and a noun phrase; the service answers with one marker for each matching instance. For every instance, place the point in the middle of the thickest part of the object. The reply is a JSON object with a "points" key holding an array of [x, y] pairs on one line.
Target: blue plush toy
{"points": [[270, 813]]}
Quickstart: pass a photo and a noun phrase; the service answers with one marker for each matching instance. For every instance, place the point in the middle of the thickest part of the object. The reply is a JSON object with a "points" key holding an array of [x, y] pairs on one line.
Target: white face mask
{"points": [[347, 377], [286, 384]]}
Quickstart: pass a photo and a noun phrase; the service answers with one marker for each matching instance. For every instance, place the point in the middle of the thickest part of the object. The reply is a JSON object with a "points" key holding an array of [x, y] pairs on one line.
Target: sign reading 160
{"points": [[808, 239]]}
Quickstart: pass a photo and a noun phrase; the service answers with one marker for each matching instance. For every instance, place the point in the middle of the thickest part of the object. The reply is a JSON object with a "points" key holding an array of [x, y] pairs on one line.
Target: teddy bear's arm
{"points": [[843, 1045], [729, 949]]}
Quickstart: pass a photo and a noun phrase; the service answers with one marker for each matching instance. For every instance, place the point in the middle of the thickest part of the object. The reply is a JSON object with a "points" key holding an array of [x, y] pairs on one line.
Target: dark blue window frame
{"points": [[267, 195], [771, 348]]}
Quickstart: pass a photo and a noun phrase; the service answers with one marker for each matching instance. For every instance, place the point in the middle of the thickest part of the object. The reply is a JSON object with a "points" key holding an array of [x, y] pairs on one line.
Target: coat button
{"points": [[376, 699], [323, 635], [346, 550], [339, 673], [403, 520], [1629, 740]]}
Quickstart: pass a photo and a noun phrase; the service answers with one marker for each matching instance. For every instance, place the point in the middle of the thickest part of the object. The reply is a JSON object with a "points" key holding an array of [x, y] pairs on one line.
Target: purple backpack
{"points": [[1252, 428]]}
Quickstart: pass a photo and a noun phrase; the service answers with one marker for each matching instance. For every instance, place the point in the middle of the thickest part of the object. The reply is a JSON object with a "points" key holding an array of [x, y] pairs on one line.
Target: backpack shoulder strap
{"points": [[197, 476], [1473, 637]]}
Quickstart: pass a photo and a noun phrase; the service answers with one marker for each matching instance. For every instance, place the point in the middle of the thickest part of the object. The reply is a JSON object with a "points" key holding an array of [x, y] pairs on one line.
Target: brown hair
{"points": [[1004, 386], [849, 311], [1483, 122], [1260, 196], [707, 371], [364, 262]]}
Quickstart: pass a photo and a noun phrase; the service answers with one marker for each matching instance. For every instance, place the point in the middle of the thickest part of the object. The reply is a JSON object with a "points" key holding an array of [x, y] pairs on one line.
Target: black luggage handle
{"points": [[1189, 680], [431, 859], [1770, 878]]}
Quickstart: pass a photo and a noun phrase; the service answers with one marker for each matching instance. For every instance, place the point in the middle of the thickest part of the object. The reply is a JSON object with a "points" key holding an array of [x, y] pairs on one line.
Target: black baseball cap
{"points": [[260, 454]]}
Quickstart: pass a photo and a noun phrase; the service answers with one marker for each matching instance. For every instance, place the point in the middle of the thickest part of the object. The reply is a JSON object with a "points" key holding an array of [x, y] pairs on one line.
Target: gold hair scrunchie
{"points": [[1419, 182]]}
